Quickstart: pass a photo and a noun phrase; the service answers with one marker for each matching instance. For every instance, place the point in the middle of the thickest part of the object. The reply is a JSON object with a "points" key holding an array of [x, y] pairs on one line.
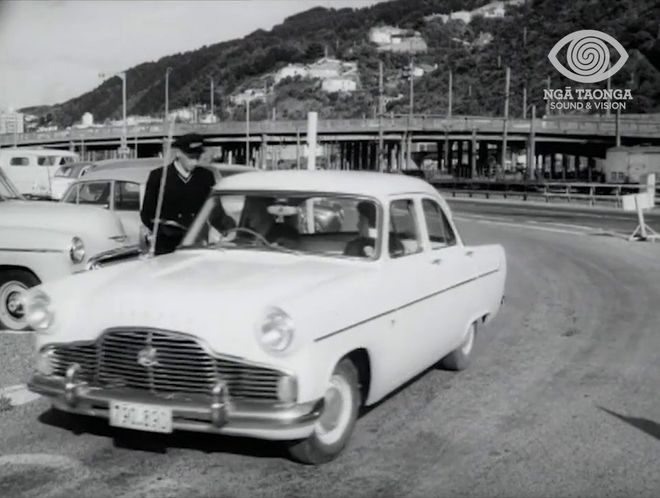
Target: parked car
{"points": [[236, 334], [43, 241], [118, 185], [66, 175], [32, 170]]}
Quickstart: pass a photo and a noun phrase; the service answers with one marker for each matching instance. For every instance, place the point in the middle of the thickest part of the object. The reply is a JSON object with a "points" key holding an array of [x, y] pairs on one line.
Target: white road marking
{"points": [[18, 394], [524, 226]]}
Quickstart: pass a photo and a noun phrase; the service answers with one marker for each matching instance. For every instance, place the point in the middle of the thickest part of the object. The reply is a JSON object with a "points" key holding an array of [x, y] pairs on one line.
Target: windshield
{"points": [[328, 224], [7, 188]]}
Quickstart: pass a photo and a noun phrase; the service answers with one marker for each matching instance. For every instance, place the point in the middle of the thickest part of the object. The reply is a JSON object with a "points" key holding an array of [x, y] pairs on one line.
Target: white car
{"points": [[274, 328], [118, 185], [42, 241]]}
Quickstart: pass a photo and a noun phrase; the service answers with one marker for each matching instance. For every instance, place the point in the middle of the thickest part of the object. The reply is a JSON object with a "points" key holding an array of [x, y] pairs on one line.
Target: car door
{"points": [[408, 289], [451, 268], [126, 204]]}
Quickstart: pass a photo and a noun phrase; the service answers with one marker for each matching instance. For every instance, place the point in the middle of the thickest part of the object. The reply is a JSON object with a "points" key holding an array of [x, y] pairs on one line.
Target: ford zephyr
{"points": [[271, 326]]}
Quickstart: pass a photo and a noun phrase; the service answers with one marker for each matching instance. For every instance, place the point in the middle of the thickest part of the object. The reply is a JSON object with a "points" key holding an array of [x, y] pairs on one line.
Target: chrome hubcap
{"points": [[12, 310], [336, 414]]}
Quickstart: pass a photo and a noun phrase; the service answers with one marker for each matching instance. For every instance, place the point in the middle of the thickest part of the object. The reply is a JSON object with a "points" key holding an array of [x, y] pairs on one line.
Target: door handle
{"points": [[436, 261]]}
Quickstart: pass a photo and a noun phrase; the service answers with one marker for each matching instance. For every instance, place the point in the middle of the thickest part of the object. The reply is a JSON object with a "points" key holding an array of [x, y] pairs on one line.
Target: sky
{"points": [[53, 50]]}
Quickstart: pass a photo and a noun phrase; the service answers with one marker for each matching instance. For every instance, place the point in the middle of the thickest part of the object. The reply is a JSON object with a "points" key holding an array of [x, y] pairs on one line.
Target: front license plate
{"points": [[141, 417]]}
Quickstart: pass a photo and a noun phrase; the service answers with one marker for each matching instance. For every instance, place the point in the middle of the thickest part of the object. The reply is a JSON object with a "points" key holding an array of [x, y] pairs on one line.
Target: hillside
{"points": [[478, 69]]}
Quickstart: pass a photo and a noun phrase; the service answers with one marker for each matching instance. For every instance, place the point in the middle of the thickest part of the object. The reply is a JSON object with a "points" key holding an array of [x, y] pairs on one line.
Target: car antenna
{"points": [[161, 189]]}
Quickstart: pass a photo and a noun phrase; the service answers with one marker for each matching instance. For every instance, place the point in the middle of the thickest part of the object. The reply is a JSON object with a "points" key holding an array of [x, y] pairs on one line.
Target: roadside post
{"points": [[312, 125], [640, 202]]}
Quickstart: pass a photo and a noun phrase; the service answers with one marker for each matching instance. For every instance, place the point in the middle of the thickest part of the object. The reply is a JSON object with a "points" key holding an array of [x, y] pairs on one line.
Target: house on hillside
{"points": [[290, 71], [341, 84], [250, 94], [382, 35]]}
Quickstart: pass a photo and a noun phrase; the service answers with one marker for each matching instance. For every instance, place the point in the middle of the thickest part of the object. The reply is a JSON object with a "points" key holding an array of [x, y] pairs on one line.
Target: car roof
{"points": [[375, 184], [137, 170]]}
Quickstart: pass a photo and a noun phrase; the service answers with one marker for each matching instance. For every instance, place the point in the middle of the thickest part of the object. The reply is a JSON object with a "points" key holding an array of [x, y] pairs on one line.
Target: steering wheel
{"points": [[255, 234]]}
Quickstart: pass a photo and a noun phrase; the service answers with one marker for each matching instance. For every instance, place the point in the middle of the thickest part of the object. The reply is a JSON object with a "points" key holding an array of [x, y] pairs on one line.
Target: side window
{"points": [[19, 161], [71, 195], [404, 235], [437, 224], [96, 193], [127, 196]]}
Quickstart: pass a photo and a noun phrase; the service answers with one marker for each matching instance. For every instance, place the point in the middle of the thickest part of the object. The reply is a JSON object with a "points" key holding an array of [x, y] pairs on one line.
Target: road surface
{"points": [[561, 400]]}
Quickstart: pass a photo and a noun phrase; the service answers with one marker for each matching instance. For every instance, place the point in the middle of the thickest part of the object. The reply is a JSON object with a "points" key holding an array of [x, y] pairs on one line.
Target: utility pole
{"points": [[451, 93], [617, 124], [506, 115], [531, 162], [609, 88], [212, 106], [547, 102], [412, 87], [381, 147], [247, 131], [524, 116], [167, 93]]}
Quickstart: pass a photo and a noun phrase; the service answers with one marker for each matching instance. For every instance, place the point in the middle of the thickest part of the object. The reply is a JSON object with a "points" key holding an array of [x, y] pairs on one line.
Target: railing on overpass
{"points": [[590, 193], [418, 123]]}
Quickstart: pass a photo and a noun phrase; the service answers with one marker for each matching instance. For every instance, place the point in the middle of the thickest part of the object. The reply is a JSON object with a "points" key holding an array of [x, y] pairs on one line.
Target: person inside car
{"points": [[258, 218], [364, 245]]}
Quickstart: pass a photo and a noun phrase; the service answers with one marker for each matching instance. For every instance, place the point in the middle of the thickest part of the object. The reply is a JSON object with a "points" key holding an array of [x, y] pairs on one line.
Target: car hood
{"points": [[52, 215], [219, 296]]}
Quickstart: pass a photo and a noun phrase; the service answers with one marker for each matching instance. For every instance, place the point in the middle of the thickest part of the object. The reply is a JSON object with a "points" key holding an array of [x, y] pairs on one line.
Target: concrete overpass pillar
{"points": [[564, 166], [483, 157], [402, 151], [459, 162], [450, 159], [264, 150]]}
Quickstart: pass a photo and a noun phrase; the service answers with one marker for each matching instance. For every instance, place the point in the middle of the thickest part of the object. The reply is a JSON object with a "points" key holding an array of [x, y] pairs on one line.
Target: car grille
{"points": [[181, 365]]}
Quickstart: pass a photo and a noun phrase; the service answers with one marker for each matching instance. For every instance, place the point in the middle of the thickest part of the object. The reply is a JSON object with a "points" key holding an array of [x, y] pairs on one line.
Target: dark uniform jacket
{"points": [[182, 200]]}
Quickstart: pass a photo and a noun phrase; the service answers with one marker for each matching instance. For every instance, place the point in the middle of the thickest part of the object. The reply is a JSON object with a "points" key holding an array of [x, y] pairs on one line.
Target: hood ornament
{"points": [[148, 357]]}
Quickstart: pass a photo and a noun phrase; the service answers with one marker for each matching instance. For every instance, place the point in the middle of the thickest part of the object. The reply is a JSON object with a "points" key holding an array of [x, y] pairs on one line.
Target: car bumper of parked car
{"points": [[211, 413]]}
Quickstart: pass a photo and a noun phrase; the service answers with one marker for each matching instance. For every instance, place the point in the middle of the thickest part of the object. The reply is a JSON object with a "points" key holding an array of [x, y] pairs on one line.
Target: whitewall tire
{"points": [[13, 285], [335, 425]]}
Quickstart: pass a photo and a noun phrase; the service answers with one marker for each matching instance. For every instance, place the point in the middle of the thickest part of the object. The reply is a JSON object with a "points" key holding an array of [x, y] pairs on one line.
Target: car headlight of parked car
{"points": [[275, 332], [77, 250], [38, 311]]}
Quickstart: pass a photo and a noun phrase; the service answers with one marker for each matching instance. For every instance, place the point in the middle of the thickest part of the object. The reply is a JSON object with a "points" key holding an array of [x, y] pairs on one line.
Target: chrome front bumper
{"points": [[211, 414]]}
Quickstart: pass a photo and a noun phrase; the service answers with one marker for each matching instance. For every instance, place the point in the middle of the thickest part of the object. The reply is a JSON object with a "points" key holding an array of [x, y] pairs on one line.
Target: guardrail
{"points": [[589, 193]]}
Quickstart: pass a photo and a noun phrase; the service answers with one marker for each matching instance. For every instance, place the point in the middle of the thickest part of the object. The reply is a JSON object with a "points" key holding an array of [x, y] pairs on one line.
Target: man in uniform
{"points": [[186, 190]]}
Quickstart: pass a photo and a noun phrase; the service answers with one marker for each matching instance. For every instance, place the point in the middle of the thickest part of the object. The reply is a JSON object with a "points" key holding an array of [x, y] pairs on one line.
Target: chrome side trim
{"points": [[433, 294], [20, 249]]}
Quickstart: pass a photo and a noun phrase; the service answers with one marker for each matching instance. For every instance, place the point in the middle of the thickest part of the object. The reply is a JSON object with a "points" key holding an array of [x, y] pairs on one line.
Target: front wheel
{"points": [[13, 285], [336, 423]]}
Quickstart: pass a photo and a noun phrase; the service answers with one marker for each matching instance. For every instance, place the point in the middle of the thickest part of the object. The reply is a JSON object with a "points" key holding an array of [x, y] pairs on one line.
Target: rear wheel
{"points": [[459, 358], [336, 423], [13, 285]]}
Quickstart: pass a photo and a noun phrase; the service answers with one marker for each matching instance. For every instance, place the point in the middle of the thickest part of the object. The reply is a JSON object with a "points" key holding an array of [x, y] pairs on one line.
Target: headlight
{"points": [[275, 332], [45, 363], [77, 250], [38, 311]]}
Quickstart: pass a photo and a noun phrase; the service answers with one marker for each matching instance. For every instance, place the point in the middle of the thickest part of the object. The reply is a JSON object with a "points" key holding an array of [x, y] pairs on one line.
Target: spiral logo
{"points": [[588, 56]]}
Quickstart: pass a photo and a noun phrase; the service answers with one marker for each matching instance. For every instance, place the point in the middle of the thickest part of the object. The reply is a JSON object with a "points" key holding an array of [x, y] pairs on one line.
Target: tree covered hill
{"points": [[521, 40]]}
